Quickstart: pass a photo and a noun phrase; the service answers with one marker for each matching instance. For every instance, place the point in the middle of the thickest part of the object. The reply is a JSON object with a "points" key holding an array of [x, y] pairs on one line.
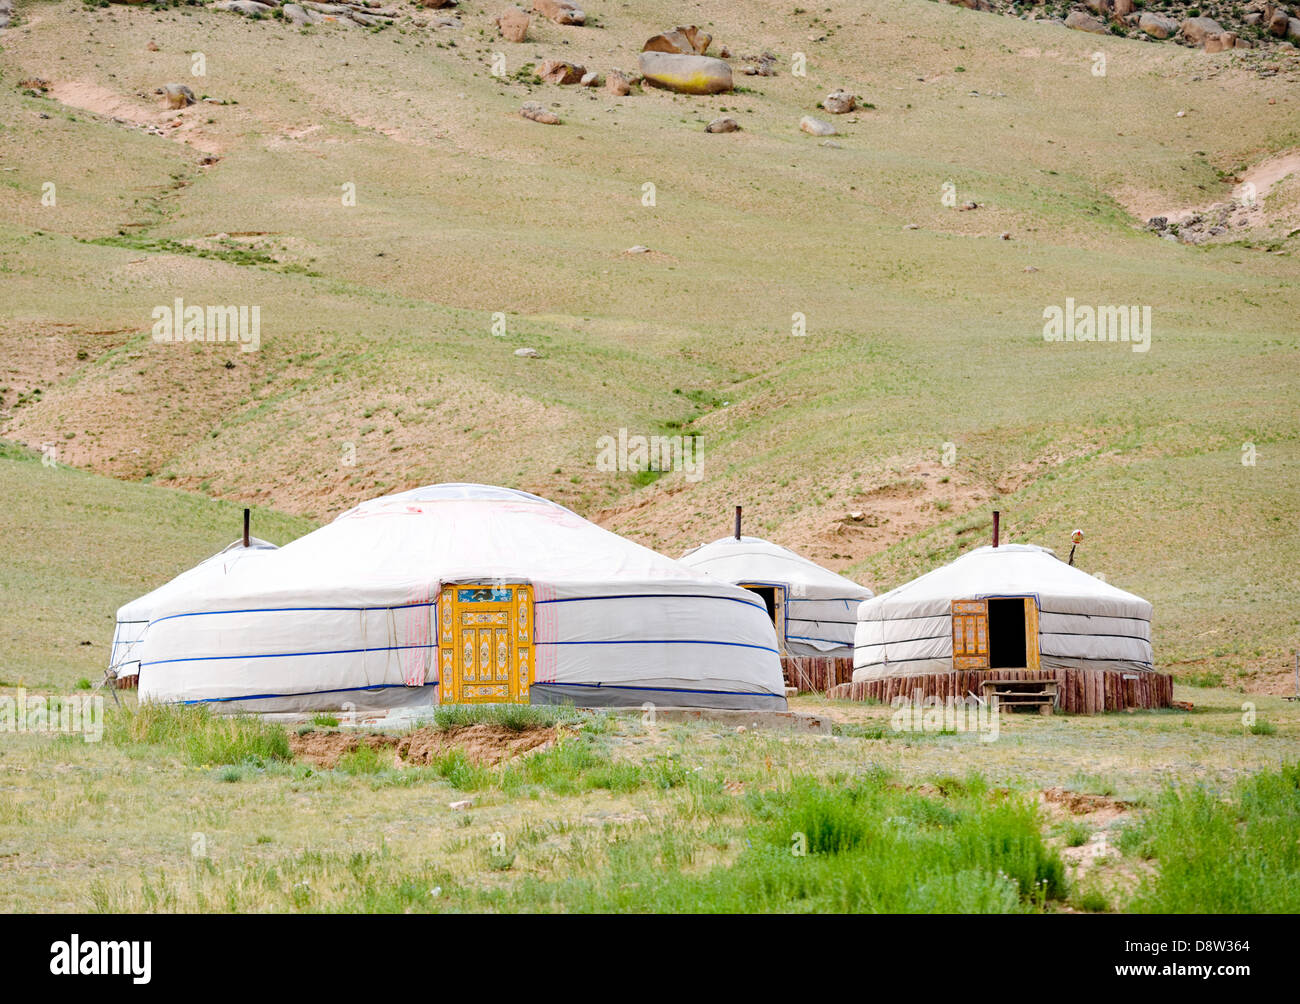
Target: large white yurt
{"points": [[1016, 607], [813, 609], [134, 617], [461, 593]]}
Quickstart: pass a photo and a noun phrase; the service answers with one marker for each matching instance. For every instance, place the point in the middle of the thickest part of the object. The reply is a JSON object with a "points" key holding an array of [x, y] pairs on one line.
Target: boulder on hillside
{"points": [[1121, 9], [436, 4], [726, 124], [536, 112], [616, 83], [690, 41], [1157, 26], [178, 95], [685, 74], [983, 5], [1080, 21], [1293, 29], [1217, 43], [1277, 23], [246, 7], [513, 25], [1197, 29], [839, 102], [816, 127], [557, 71], [300, 16], [560, 11]]}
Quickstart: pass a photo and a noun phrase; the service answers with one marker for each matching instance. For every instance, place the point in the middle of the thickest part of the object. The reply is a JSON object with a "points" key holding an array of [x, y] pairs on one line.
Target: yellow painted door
{"points": [[970, 634], [485, 643]]}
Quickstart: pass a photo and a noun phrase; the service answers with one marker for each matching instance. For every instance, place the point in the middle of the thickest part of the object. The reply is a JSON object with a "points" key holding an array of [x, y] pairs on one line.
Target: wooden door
{"points": [[485, 643]]}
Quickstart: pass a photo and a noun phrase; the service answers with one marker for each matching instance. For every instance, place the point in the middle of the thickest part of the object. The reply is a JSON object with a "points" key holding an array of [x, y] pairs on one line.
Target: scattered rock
{"points": [[1157, 26], [724, 124], [513, 24], [759, 66], [690, 41], [839, 102], [152, 46], [557, 71], [560, 11], [1080, 21], [1030, 268], [637, 249], [246, 7], [460, 806], [527, 353], [178, 96], [617, 83], [685, 74], [539, 113], [1197, 29], [816, 127], [912, 226], [1005, 235], [966, 207]]}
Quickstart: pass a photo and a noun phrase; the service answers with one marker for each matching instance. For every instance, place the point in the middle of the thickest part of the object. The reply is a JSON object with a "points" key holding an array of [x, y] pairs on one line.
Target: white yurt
{"points": [[1011, 607], [134, 617], [460, 593], [813, 610]]}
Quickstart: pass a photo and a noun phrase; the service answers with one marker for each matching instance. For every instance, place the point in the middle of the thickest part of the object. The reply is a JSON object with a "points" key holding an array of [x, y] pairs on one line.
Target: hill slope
{"points": [[377, 318]]}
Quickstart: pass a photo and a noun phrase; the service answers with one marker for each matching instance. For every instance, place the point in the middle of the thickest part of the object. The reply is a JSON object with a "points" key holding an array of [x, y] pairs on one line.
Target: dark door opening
{"points": [[1007, 634], [768, 593]]}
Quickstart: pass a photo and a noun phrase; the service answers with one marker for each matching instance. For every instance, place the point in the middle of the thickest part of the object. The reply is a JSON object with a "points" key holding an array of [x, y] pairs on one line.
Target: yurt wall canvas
{"points": [[133, 618]]}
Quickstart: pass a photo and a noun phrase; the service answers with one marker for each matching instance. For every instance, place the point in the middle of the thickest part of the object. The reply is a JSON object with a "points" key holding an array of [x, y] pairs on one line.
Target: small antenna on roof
{"points": [[246, 517], [737, 522], [996, 517], [1076, 539]]}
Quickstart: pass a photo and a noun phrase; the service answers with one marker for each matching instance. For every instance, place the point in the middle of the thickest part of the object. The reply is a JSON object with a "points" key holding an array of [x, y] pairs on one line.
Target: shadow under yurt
{"points": [[1013, 623]]}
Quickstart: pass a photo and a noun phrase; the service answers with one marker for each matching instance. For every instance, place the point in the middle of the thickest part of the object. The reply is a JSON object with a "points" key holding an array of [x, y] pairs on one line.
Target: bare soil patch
{"points": [[486, 745]]}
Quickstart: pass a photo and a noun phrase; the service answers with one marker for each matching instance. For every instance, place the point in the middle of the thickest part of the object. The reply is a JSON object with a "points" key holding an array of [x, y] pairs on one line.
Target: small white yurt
{"points": [[1011, 607], [813, 610], [460, 593], [134, 617]]}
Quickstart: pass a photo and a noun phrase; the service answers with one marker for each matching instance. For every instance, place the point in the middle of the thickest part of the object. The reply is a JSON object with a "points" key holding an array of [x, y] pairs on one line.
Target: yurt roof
{"points": [[215, 564], [1009, 570], [753, 559], [460, 532]]}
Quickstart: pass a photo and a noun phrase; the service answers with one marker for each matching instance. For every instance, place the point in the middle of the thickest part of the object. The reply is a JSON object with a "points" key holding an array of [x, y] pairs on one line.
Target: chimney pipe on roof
{"points": [[996, 517], [246, 514], [737, 522]]}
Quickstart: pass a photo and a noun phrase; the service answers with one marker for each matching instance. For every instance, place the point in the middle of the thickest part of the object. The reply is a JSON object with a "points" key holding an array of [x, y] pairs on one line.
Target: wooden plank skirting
{"points": [[127, 682], [815, 672], [1078, 691]]}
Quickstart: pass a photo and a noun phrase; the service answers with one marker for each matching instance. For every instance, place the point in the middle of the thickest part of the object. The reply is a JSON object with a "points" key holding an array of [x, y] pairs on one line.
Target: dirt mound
{"points": [[482, 744], [325, 749], [1099, 807]]}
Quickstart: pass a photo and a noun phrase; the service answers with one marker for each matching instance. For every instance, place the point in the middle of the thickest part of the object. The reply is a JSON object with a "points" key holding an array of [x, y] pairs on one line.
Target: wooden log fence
{"points": [[1078, 691]]}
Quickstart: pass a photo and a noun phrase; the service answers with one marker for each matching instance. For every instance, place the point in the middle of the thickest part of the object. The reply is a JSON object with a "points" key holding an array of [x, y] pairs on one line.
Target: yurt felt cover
{"points": [[347, 615], [133, 618], [821, 606], [1083, 622]]}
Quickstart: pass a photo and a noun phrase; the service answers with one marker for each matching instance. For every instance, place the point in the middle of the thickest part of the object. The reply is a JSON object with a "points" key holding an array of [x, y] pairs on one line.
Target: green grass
{"points": [[516, 717], [1224, 852], [201, 737]]}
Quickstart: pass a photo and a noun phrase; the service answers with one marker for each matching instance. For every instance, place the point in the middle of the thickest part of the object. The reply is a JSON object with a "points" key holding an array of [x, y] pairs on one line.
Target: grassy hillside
{"points": [[377, 318], [78, 546]]}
